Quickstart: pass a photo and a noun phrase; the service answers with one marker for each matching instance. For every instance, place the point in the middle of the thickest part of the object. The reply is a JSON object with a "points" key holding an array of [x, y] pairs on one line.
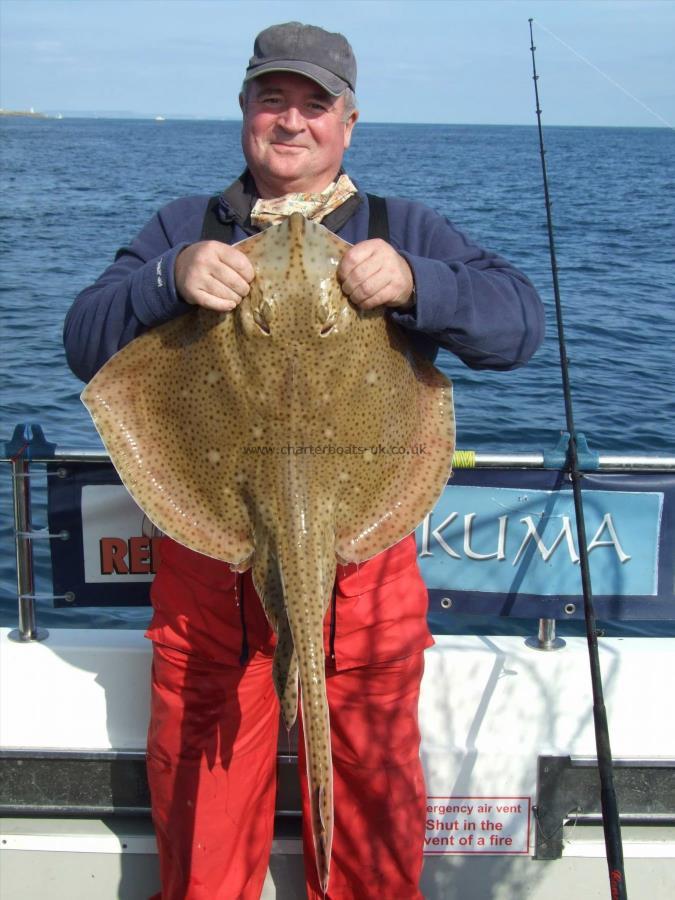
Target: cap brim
{"points": [[323, 77]]}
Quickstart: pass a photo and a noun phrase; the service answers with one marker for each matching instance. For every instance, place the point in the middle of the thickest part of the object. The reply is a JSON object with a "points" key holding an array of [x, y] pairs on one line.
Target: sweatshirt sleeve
{"points": [[135, 293], [467, 299]]}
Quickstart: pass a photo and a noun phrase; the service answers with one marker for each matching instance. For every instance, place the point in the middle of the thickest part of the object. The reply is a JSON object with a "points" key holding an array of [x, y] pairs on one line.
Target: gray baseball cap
{"points": [[323, 56]]}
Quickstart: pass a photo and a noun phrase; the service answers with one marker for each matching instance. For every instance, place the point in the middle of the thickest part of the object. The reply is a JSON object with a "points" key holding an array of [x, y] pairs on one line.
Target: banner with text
{"points": [[505, 543], [498, 542]]}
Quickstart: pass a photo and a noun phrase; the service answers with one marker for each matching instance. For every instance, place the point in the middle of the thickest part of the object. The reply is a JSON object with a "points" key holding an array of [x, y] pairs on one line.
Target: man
{"points": [[213, 730]]}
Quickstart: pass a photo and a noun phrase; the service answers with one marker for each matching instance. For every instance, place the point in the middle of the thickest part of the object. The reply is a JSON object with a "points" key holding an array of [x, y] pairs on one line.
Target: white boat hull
{"points": [[490, 708]]}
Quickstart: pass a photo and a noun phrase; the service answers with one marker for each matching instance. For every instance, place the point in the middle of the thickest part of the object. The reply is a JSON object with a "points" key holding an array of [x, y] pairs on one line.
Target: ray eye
{"points": [[327, 318], [261, 321], [324, 314]]}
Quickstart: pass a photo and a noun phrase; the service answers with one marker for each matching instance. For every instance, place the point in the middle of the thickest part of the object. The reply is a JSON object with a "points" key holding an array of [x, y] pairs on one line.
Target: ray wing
{"points": [[401, 422], [168, 411]]}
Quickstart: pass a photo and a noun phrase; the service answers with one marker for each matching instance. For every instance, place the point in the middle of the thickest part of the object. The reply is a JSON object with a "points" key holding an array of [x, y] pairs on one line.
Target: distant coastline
{"points": [[24, 113]]}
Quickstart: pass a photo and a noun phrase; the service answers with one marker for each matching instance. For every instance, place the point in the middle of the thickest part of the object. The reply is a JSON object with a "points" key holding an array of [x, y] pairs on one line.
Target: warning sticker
{"points": [[477, 825]]}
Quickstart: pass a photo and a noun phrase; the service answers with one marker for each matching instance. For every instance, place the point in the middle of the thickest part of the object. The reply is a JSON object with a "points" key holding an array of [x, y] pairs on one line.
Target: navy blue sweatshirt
{"points": [[468, 300]]}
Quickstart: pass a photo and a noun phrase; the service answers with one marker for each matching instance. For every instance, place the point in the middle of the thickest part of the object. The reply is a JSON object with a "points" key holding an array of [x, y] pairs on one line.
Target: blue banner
{"points": [[498, 542], [111, 552], [505, 543]]}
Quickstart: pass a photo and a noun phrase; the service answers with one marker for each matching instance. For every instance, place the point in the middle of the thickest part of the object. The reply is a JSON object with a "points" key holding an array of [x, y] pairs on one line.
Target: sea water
{"points": [[74, 190]]}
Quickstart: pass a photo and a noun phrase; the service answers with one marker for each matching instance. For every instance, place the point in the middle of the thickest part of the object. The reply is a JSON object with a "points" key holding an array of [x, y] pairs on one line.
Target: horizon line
{"points": [[129, 116]]}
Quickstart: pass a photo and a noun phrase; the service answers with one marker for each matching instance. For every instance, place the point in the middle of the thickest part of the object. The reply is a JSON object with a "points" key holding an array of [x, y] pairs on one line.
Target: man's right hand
{"points": [[213, 274]]}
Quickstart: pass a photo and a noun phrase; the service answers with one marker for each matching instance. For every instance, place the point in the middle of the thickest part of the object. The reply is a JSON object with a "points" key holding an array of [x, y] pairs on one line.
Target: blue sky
{"points": [[464, 61]]}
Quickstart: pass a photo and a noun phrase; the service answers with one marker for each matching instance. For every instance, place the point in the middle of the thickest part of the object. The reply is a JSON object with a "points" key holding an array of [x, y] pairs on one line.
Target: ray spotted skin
{"points": [[289, 435]]}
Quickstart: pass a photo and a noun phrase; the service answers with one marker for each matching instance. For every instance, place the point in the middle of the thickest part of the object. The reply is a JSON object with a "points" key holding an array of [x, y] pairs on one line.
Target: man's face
{"points": [[294, 134]]}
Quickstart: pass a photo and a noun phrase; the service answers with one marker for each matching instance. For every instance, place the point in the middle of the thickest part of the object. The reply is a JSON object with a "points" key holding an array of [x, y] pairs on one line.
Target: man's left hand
{"points": [[374, 274]]}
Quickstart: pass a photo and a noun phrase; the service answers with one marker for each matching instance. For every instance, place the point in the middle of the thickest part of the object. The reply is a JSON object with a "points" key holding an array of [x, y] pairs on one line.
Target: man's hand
{"points": [[374, 274], [213, 274]]}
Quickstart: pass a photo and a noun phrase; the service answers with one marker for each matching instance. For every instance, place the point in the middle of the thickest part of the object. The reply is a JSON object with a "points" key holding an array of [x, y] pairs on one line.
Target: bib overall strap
{"points": [[213, 229], [378, 221]]}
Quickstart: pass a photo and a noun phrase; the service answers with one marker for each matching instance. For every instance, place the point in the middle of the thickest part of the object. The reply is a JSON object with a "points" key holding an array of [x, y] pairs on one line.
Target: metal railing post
{"points": [[25, 580], [545, 639]]}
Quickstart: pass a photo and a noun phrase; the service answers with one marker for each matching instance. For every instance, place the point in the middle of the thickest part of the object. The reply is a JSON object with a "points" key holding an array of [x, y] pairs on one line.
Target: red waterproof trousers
{"points": [[214, 723]]}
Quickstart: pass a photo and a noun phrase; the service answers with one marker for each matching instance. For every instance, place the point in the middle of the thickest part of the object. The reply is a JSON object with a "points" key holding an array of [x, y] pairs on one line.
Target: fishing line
{"points": [[610, 813], [605, 75]]}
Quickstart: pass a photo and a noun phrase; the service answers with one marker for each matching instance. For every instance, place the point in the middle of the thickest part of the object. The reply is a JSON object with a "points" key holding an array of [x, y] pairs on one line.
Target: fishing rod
{"points": [[610, 812]]}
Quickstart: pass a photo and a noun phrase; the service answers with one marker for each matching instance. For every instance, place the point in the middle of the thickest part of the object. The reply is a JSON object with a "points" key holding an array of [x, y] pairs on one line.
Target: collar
{"points": [[237, 200]]}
